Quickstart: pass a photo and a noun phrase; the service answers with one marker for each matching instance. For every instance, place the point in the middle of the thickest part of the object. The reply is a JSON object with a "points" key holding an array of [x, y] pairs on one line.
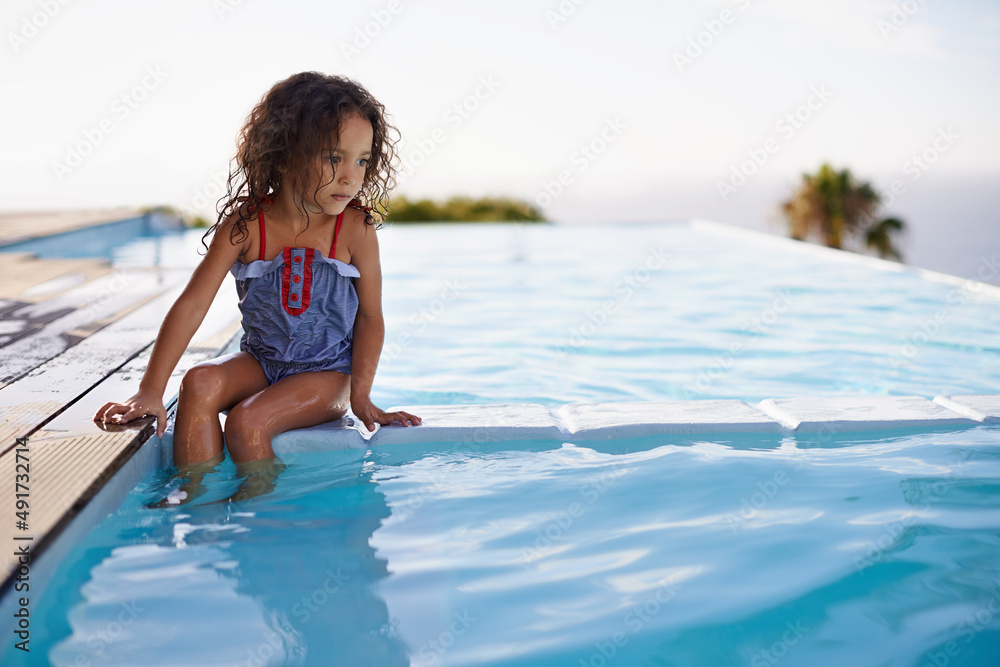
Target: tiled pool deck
{"points": [[65, 355]]}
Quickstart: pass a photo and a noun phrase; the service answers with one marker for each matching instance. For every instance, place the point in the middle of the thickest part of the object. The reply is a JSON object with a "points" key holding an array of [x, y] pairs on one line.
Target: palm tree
{"points": [[834, 205], [878, 237]]}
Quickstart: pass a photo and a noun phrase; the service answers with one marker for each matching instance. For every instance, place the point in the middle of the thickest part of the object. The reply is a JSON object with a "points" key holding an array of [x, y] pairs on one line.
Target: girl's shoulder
{"points": [[355, 215], [356, 221], [236, 232], [358, 233]]}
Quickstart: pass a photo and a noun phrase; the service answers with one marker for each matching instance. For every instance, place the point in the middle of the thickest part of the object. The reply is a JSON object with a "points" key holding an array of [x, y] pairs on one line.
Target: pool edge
{"points": [[725, 229]]}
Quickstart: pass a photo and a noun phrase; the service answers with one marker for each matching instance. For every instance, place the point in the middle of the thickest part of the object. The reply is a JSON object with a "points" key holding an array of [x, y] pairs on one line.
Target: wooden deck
{"points": [[65, 351]]}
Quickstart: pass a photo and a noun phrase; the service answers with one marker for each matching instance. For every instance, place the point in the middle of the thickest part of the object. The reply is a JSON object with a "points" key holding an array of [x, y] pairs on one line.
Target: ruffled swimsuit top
{"points": [[298, 308]]}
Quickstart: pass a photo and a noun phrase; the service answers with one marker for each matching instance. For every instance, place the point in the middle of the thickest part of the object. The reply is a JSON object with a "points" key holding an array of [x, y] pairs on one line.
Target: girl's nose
{"points": [[352, 174]]}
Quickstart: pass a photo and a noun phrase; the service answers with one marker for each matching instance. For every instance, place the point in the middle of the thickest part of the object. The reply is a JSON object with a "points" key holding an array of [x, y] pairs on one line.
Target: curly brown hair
{"points": [[296, 120]]}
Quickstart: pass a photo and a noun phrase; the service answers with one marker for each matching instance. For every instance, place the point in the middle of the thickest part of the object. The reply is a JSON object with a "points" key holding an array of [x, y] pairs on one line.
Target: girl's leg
{"points": [[297, 401], [191, 486], [206, 390], [258, 478]]}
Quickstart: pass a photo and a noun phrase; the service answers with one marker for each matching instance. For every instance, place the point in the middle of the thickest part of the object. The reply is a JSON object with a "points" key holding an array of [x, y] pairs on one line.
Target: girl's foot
{"points": [[191, 487], [260, 479]]}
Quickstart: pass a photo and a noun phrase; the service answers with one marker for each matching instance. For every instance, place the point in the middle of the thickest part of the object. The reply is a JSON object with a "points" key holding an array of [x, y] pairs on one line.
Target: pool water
{"points": [[147, 240], [564, 313], [555, 313], [878, 548], [871, 549]]}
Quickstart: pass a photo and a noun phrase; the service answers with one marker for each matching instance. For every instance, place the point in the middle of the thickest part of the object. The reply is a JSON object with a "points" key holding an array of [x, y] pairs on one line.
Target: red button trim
{"points": [[296, 304], [296, 279], [298, 259]]}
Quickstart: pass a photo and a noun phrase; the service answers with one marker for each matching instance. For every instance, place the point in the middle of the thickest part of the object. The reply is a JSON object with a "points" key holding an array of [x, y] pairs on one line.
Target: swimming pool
{"points": [[550, 314], [878, 548], [140, 241], [558, 313]]}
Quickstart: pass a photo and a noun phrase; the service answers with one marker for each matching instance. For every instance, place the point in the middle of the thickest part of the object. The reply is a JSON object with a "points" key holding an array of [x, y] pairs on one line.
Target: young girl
{"points": [[295, 234]]}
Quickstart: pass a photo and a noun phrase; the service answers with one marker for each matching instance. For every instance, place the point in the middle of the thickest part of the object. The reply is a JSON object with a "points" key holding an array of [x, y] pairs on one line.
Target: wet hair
{"points": [[294, 122]]}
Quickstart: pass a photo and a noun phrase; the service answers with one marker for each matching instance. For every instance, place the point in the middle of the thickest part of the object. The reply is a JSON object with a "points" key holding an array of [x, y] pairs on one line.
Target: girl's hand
{"points": [[142, 404], [369, 413]]}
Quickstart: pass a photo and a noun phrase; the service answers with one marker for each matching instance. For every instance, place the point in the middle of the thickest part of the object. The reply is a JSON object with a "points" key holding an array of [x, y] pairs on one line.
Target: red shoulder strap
{"points": [[260, 219], [356, 203], [263, 236], [336, 231]]}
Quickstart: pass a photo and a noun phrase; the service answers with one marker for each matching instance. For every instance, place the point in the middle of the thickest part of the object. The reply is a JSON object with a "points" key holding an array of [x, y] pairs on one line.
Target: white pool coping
{"points": [[605, 421]]}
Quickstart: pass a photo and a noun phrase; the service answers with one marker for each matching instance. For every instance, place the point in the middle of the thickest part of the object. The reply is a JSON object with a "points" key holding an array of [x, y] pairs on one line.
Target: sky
{"points": [[594, 110]]}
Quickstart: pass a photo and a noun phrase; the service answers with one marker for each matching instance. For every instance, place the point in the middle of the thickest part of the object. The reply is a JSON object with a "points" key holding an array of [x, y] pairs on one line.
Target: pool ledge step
{"points": [[453, 423], [980, 407], [857, 413], [634, 419], [517, 421]]}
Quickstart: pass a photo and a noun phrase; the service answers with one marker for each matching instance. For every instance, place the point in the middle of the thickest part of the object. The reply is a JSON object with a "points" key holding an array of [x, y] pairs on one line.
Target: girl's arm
{"points": [[179, 326], [369, 333]]}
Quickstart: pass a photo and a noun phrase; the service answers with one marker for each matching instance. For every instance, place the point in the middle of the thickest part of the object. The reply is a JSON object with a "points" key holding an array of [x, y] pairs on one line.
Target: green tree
{"points": [[463, 209], [835, 206]]}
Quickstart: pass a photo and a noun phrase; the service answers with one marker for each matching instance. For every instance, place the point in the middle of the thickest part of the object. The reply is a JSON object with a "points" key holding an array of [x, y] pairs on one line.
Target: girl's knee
{"points": [[248, 434], [244, 422], [201, 382]]}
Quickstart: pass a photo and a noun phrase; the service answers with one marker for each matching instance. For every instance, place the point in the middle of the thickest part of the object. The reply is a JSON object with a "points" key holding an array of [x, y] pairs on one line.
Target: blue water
{"points": [[562, 313], [485, 313], [868, 549], [141, 241]]}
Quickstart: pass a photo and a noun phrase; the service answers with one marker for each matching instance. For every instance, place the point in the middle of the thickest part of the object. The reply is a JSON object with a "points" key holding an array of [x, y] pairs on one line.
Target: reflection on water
{"points": [[869, 548], [270, 580]]}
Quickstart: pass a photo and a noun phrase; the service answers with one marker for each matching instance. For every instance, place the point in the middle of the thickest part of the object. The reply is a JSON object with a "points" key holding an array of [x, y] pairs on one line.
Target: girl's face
{"points": [[342, 172]]}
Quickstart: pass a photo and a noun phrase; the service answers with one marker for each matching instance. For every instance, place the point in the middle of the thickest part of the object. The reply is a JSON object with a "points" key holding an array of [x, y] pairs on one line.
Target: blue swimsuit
{"points": [[298, 309]]}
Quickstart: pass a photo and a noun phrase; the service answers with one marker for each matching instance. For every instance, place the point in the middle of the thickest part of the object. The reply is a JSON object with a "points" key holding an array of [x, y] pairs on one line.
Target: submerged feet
{"points": [[191, 486], [258, 479]]}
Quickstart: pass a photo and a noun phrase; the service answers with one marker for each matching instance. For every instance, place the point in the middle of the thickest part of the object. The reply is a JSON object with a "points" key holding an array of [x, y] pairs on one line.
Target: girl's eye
{"points": [[334, 159]]}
